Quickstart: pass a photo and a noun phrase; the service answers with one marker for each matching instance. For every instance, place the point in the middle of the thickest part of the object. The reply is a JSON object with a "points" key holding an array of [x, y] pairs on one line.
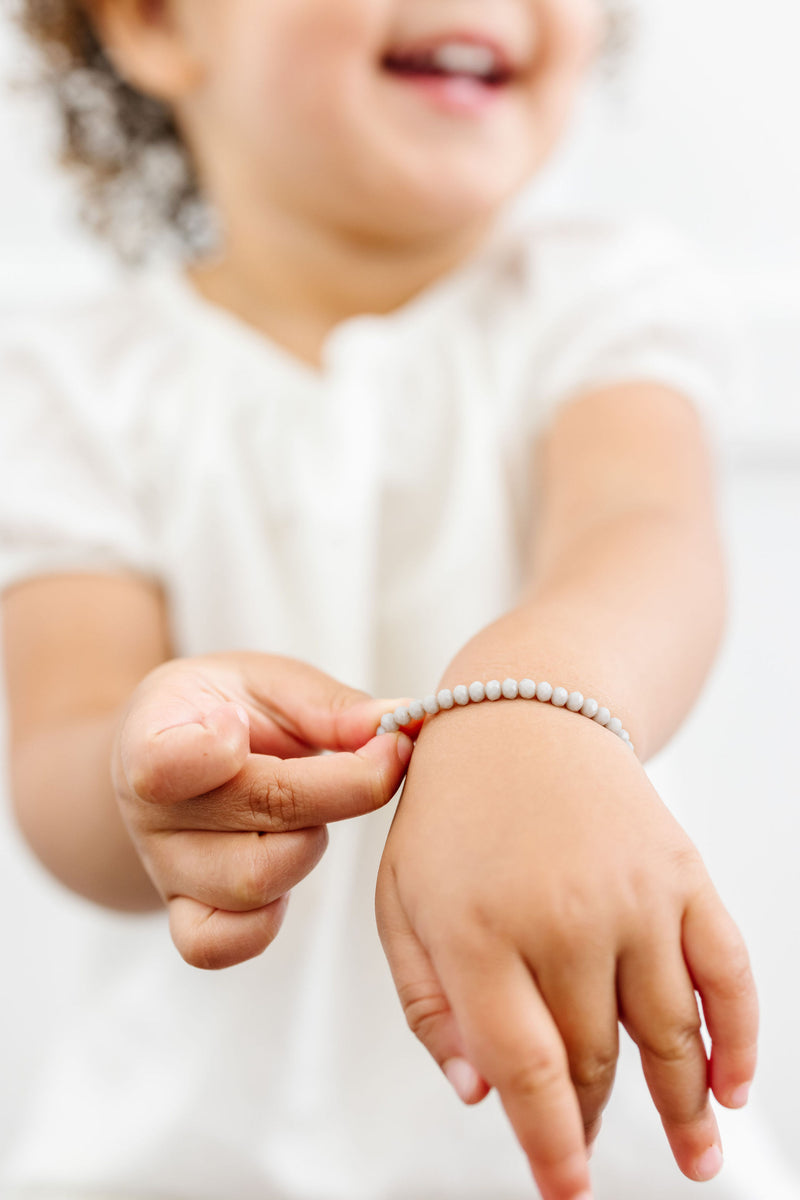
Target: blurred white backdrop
{"points": [[699, 130]]}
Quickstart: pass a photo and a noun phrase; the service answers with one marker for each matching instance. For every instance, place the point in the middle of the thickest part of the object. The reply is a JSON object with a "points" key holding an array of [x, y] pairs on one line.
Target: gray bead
{"points": [[602, 716], [416, 710], [590, 708], [543, 692], [461, 694], [615, 725], [388, 722], [575, 701], [527, 689], [445, 698], [626, 737], [477, 692], [431, 705], [401, 715], [380, 731], [494, 689], [510, 689], [559, 697]]}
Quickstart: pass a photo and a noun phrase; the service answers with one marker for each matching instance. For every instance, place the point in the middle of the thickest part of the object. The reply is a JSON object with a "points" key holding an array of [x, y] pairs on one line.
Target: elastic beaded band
{"points": [[509, 689]]}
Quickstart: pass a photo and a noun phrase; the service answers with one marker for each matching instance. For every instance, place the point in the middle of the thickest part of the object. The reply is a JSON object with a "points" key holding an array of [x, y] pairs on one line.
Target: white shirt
{"points": [[367, 517]]}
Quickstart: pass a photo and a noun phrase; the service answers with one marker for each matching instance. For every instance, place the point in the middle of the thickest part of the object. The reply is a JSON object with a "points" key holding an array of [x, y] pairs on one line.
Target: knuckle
{"points": [[593, 1071], [281, 801], [536, 1074], [675, 1042], [568, 937], [687, 863], [253, 877], [462, 936], [731, 976], [424, 1008], [478, 927], [572, 919]]}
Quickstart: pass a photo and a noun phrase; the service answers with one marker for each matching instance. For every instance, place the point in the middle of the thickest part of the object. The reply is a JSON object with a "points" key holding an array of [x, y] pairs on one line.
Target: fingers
{"points": [[659, 1010], [238, 872], [213, 939], [310, 705], [273, 795], [193, 721], [503, 1036], [584, 1003], [717, 958], [513, 1042], [425, 1005], [237, 891]]}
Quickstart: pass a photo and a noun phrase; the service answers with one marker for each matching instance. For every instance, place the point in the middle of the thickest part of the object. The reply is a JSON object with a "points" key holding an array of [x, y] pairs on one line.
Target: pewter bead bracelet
{"points": [[509, 689]]}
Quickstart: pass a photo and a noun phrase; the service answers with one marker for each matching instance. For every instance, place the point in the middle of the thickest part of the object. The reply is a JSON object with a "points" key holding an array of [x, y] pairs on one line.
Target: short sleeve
{"points": [[631, 305], [68, 483]]}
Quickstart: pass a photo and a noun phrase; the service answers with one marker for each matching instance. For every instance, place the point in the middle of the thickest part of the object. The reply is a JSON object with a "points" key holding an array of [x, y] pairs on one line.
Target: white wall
{"points": [[702, 132]]}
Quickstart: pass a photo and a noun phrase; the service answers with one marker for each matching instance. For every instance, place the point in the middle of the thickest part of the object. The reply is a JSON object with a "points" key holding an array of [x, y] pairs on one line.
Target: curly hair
{"points": [[136, 175]]}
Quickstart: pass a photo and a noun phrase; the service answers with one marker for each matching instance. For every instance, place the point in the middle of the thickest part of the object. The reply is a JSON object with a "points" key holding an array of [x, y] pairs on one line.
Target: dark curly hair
{"points": [[137, 179], [138, 184]]}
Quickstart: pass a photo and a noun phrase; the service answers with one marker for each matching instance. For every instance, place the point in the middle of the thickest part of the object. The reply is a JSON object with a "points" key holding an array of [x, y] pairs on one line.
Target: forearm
{"points": [[66, 808], [631, 614]]}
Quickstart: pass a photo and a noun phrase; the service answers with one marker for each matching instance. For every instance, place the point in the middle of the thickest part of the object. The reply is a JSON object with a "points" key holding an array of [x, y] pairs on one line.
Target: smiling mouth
{"points": [[452, 58]]}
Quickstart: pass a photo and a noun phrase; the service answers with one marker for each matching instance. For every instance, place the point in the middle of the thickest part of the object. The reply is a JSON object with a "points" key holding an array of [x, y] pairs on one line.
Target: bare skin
{"points": [[587, 904], [522, 920], [563, 887], [199, 787]]}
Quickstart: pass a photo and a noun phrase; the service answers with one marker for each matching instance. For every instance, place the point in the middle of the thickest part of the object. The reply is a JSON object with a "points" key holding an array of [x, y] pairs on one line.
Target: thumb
{"points": [[165, 762]]}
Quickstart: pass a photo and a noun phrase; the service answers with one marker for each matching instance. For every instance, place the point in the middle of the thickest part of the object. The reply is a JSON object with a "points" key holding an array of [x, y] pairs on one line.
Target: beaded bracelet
{"points": [[509, 689]]}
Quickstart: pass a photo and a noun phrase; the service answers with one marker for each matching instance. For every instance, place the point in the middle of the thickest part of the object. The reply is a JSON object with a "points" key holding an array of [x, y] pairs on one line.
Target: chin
{"points": [[455, 195]]}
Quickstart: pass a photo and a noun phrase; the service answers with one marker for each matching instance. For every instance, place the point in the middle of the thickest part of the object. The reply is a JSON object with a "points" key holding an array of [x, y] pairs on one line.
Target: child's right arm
{"points": [[131, 772]]}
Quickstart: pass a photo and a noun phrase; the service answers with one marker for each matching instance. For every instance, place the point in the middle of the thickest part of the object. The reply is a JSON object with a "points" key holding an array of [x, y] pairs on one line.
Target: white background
{"points": [[701, 130]]}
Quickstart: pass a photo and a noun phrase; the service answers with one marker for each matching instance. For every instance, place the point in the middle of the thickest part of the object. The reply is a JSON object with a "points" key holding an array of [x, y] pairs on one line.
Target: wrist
{"points": [[523, 646], [527, 749]]}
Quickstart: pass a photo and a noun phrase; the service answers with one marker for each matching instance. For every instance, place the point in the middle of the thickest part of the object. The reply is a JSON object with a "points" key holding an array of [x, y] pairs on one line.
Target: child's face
{"points": [[387, 118]]}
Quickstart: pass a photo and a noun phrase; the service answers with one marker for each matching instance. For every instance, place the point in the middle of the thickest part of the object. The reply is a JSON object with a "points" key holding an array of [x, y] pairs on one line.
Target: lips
{"points": [[470, 57]]}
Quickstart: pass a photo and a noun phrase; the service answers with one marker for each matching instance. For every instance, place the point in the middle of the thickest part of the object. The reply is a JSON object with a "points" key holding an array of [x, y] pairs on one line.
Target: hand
{"points": [[217, 774], [534, 891]]}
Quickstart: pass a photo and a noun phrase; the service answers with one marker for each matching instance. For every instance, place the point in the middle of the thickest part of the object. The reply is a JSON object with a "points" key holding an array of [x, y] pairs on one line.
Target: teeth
{"points": [[465, 58]]}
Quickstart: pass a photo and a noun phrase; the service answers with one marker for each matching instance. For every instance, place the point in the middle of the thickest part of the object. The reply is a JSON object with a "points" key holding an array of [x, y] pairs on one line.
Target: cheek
{"points": [[295, 64], [571, 36], [573, 32]]}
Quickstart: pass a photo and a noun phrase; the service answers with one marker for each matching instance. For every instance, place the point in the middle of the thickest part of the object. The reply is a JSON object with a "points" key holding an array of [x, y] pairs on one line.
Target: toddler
{"points": [[381, 434]]}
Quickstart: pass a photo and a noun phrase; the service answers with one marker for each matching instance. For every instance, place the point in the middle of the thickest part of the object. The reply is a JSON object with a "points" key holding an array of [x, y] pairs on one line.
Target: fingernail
{"points": [[463, 1077], [740, 1096], [584, 1196], [709, 1164], [405, 748]]}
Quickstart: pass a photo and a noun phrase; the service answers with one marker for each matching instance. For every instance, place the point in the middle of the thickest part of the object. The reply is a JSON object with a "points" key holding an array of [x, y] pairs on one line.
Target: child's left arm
{"points": [[534, 890]]}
